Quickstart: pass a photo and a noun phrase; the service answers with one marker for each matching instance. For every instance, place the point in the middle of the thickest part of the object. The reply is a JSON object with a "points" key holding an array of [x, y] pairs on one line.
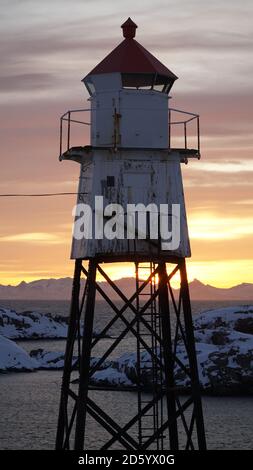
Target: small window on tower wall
{"points": [[110, 181], [91, 87]]}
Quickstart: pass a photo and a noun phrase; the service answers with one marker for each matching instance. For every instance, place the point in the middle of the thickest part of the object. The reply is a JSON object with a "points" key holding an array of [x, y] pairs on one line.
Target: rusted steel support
{"points": [[73, 321], [85, 357], [159, 342], [168, 356], [189, 333]]}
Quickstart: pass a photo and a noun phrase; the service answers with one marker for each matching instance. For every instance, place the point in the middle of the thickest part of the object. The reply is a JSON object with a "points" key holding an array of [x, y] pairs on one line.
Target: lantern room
{"points": [[129, 96]]}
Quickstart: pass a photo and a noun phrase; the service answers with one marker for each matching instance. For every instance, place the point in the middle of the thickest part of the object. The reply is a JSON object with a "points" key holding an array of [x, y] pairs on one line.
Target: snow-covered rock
{"points": [[228, 368], [31, 325], [239, 318], [111, 377], [55, 360], [224, 345], [15, 358], [48, 359], [34, 325]]}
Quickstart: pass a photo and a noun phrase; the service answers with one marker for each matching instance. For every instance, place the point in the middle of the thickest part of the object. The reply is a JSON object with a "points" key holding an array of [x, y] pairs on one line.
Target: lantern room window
{"points": [[146, 81], [137, 80], [90, 87]]}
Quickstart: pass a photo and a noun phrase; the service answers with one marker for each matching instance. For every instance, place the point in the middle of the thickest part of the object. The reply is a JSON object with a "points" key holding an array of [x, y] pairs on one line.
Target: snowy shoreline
{"points": [[31, 325], [224, 345]]}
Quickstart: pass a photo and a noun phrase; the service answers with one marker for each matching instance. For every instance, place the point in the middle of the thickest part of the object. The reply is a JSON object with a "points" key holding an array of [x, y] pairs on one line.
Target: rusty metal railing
{"points": [[68, 118], [190, 117], [184, 122]]}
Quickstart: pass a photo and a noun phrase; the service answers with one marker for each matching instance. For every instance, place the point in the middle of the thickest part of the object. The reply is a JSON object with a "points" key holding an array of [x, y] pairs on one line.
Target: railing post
{"points": [[68, 130], [198, 135], [185, 136], [67, 117], [60, 136], [169, 129]]}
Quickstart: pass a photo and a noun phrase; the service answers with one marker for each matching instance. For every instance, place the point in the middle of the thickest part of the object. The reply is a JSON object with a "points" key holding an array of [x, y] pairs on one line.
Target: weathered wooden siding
{"points": [[142, 116], [139, 177]]}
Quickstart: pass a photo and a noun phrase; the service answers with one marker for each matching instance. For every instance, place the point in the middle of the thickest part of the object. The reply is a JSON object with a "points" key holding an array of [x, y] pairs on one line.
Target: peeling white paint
{"points": [[125, 177]]}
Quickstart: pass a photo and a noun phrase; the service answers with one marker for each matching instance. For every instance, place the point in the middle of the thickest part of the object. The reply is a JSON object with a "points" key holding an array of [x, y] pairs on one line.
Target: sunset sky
{"points": [[48, 47]]}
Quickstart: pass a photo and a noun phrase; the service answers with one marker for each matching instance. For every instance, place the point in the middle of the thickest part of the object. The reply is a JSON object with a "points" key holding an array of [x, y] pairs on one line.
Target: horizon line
{"points": [[119, 279]]}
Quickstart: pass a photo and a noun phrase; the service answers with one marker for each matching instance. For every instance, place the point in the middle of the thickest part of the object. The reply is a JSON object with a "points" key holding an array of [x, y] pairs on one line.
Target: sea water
{"points": [[29, 401]]}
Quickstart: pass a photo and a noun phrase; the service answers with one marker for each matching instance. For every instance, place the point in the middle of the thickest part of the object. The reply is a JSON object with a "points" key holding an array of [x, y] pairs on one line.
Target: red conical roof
{"points": [[131, 57]]}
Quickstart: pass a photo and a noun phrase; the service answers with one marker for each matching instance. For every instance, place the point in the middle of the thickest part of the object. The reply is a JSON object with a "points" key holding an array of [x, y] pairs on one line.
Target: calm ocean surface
{"points": [[29, 401]]}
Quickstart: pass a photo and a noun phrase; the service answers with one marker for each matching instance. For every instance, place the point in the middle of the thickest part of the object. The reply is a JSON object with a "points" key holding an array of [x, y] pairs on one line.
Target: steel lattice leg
{"points": [[168, 356], [163, 344], [73, 321], [189, 333], [85, 357]]}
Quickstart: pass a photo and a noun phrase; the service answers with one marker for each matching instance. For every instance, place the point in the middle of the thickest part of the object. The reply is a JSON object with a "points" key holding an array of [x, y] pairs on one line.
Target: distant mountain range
{"points": [[54, 289]]}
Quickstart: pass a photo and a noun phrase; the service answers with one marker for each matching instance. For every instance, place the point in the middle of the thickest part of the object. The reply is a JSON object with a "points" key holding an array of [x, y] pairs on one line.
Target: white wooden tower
{"points": [[131, 160]]}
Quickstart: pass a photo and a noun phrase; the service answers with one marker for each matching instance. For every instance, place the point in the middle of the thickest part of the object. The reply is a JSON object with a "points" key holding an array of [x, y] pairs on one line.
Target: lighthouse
{"points": [[131, 209]]}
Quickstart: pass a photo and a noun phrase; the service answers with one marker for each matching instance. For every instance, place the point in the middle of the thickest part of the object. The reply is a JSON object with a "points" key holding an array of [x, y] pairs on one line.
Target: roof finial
{"points": [[129, 29]]}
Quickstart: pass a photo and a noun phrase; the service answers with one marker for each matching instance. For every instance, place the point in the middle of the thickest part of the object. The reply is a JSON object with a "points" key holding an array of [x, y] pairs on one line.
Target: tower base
{"points": [[151, 411]]}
